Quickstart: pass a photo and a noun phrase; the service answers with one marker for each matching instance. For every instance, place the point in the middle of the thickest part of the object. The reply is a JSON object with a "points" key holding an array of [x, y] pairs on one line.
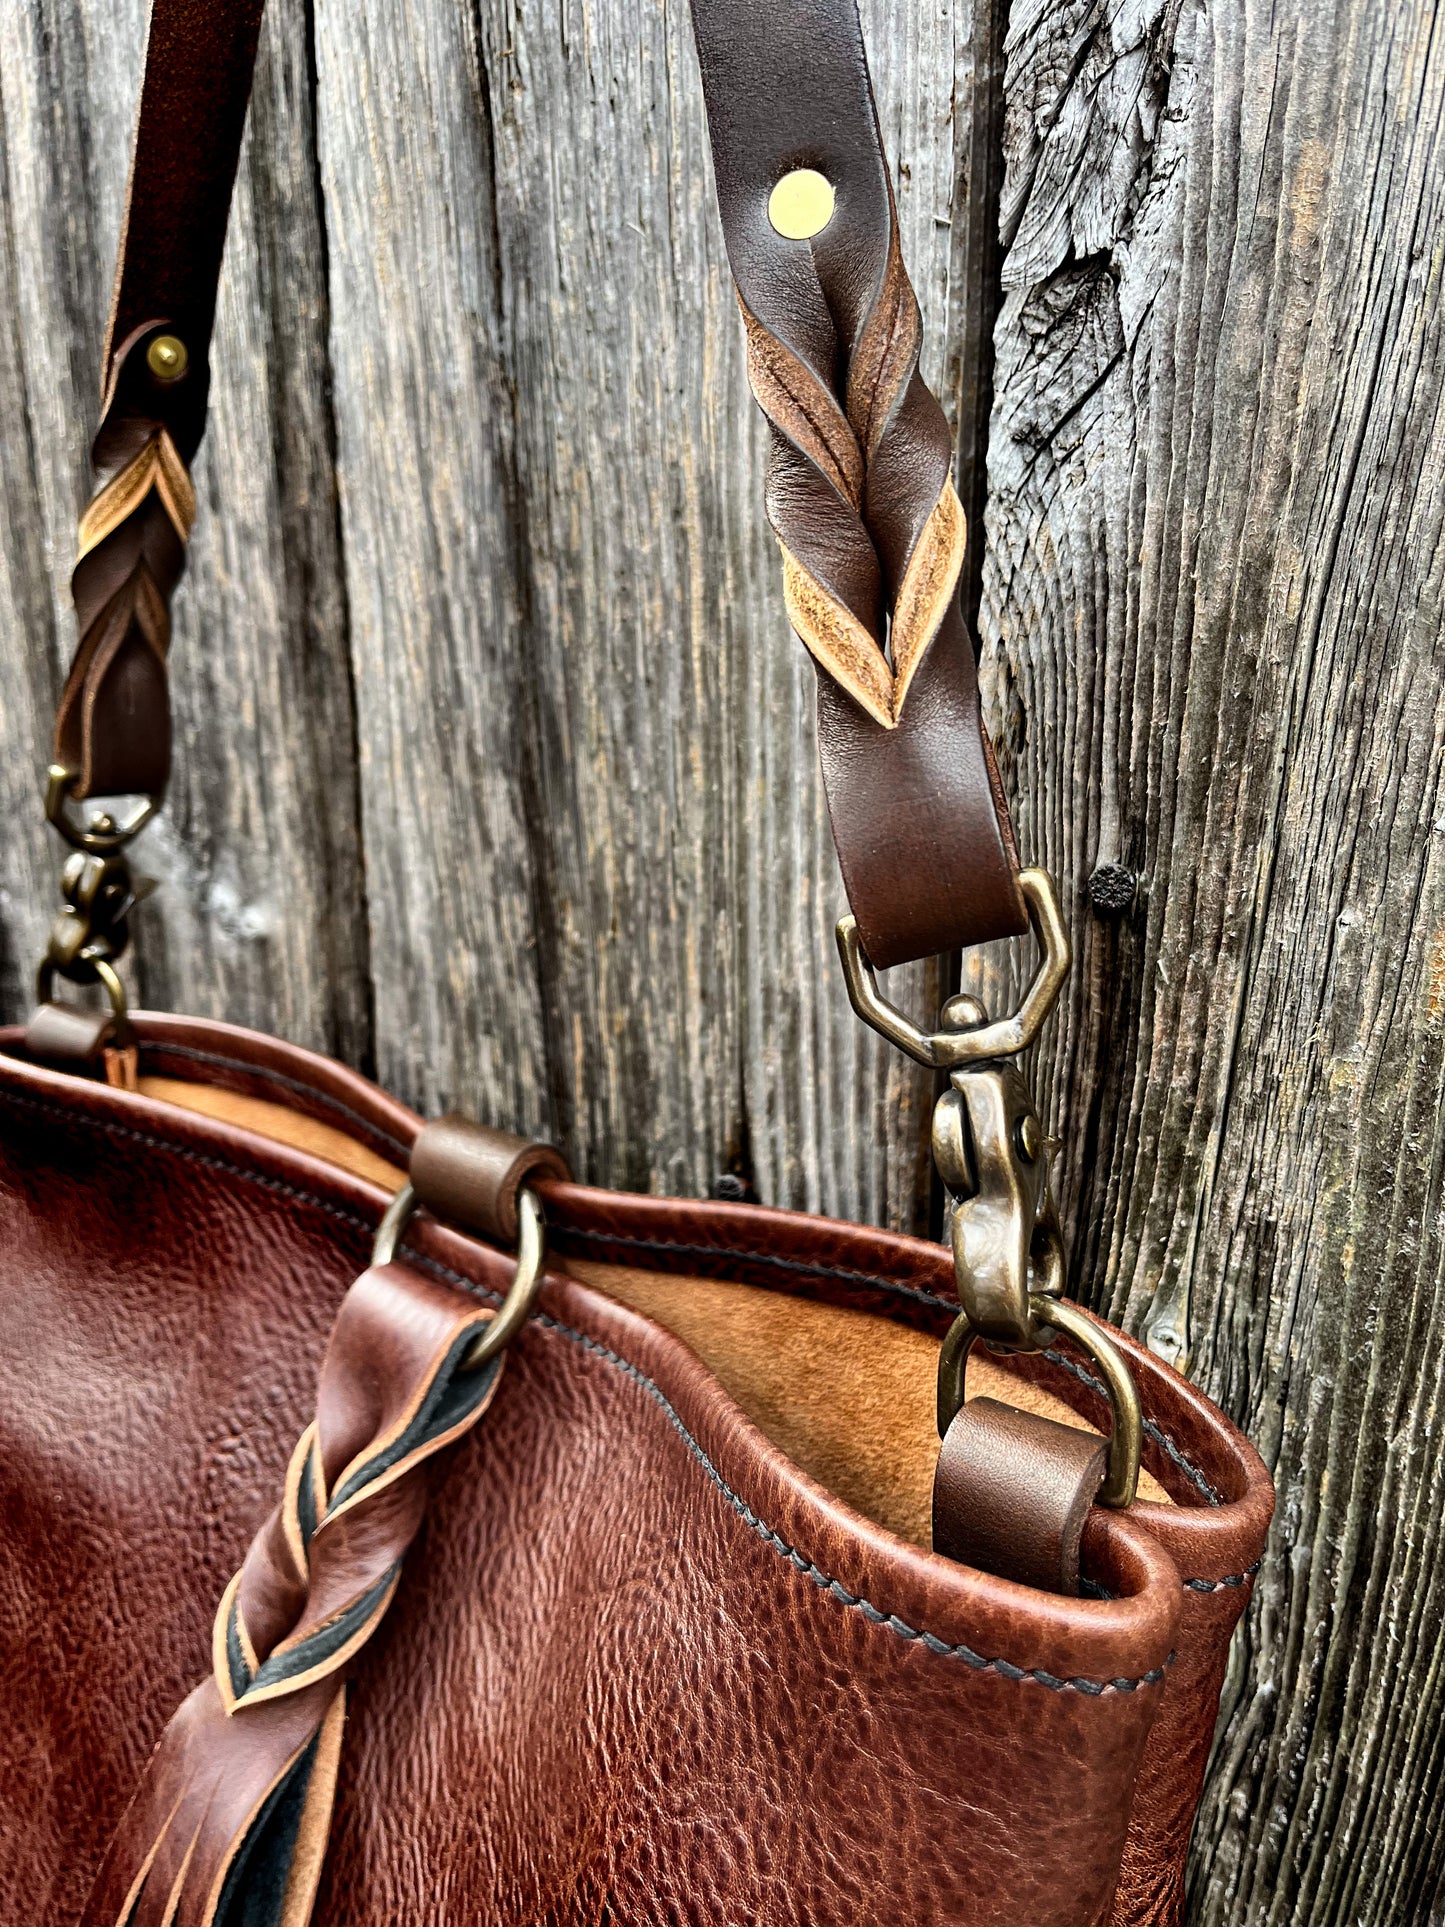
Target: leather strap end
{"points": [[470, 1174], [1012, 1493]]}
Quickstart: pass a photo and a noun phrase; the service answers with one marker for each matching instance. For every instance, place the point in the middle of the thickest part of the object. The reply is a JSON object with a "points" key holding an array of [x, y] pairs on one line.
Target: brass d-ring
{"points": [[1121, 1480], [951, 1049], [526, 1282]]}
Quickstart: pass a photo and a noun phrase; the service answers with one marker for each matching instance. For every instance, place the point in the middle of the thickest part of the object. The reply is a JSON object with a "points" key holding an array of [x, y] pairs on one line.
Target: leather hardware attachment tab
{"points": [[1012, 1492], [472, 1175], [1047, 1318]]}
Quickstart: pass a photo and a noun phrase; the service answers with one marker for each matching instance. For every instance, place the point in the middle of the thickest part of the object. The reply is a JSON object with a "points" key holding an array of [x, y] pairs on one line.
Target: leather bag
{"points": [[399, 1531]]}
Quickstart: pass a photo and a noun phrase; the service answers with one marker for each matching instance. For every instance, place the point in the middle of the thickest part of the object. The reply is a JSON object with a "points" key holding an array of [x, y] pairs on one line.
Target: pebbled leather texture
{"points": [[639, 1667]]}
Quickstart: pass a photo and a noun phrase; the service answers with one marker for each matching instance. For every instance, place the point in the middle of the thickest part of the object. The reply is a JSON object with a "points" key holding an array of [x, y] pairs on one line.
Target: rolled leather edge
{"points": [[69, 1037]]}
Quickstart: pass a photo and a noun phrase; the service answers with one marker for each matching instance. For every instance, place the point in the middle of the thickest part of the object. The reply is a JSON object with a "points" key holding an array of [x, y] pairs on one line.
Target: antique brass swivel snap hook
{"points": [[993, 1157], [92, 931]]}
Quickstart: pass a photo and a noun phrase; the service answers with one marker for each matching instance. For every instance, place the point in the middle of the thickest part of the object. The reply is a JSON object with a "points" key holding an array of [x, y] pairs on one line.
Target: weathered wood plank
{"points": [[260, 919], [424, 434], [1212, 602], [598, 888], [650, 891]]}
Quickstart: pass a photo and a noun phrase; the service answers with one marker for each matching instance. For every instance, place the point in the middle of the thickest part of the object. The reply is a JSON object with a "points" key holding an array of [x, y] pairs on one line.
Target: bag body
{"points": [[587, 1558], [643, 1663]]}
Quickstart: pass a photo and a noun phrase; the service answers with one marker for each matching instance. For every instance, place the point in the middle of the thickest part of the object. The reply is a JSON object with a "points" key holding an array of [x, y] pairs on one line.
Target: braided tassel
{"points": [[230, 1824], [860, 496]]}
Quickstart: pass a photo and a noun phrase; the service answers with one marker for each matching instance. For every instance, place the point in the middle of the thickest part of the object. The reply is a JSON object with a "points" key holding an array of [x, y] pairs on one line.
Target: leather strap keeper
{"points": [[69, 1037], [1012, 1493], [470, 1174]]}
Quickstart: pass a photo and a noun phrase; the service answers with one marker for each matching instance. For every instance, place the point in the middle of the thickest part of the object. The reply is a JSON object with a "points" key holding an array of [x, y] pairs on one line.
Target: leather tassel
{"points": [[229, 1827]]}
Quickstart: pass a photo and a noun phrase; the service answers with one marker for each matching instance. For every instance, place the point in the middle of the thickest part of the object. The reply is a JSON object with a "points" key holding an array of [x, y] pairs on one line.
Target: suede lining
{"points": [[849, 1397]]}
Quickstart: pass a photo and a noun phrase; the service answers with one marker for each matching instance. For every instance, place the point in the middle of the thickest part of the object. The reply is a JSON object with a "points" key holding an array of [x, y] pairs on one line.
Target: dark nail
{"points": [[1112, 890]]}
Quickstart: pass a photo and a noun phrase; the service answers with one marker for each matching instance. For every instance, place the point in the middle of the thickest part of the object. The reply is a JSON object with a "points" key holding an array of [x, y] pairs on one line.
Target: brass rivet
{"points": [[801, 205], [168, 358], [1030, 1138], [962, 1013]]}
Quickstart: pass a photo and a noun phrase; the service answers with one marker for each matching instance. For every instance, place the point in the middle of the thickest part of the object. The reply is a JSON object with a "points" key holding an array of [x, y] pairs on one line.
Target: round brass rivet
{"points": [[168, 358], [801, 205], [962, 1013], [1030, 1138]]}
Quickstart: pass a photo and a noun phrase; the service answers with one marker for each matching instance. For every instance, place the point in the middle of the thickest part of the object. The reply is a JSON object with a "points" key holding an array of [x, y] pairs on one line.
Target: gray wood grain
{"points": [[495, 767], [599, 877], [262, 917], [1212, 604]]}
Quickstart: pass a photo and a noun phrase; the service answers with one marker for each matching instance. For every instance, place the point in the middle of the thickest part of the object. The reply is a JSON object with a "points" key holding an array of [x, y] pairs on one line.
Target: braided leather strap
{"points": [[230, 1824], [859, 492], [113, 729], [860, 496]]}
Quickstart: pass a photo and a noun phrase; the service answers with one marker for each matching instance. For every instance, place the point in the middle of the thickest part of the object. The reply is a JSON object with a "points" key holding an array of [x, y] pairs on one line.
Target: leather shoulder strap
{"points": [[859, 492], [113, 727]]}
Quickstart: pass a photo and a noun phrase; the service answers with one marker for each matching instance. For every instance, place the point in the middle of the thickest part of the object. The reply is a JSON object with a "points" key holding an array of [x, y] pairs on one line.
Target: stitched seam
{"points": [[1093, 1688], [800, 1268], [281, 1189], [1160, 1438], [1218, 1585], [154, 1047]]}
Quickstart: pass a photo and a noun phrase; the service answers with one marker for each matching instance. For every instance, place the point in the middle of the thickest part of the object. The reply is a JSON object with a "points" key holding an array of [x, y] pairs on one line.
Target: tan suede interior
{"points": [[278, 1122], [847, 1396]]}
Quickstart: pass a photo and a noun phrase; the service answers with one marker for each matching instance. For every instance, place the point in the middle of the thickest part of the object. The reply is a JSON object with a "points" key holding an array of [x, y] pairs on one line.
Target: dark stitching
{"points": [[1161, 1439], [153, 1047], [822, 1580], [1218, 1585], [797, 1266], [803, 1270], [278, 1186], [281, 1189]]}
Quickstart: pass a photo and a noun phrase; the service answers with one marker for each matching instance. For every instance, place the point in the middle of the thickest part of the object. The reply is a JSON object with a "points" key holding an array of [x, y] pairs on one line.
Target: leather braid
{"points": [[113, 728], [860, 496], [236, 1803]]}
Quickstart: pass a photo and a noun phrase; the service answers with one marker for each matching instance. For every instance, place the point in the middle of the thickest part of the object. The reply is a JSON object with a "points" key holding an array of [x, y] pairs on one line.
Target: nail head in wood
{"points": [[1112, 890]]}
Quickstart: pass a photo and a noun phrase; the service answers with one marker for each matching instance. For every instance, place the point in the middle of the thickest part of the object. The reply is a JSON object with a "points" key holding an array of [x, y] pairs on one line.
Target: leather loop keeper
{"points": [[1012, 1493], [68, 1037], [470, 1174]]}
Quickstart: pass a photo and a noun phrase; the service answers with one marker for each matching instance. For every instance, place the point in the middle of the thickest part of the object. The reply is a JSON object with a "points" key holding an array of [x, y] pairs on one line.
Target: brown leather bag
{"points": [[397, 1531]]}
